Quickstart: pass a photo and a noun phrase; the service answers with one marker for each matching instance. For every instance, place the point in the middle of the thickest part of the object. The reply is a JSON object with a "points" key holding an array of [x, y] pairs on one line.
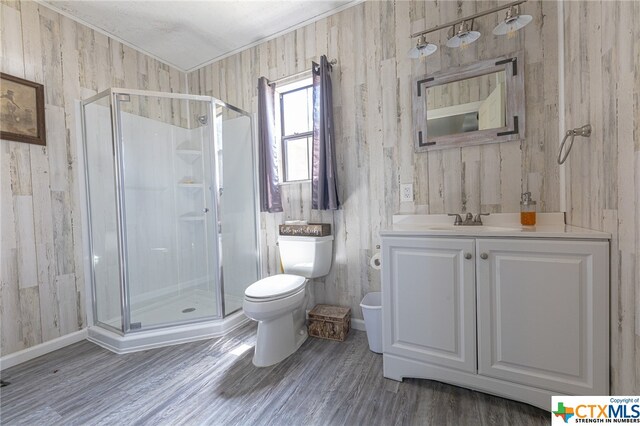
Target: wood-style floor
{"points": [[214, 382]]}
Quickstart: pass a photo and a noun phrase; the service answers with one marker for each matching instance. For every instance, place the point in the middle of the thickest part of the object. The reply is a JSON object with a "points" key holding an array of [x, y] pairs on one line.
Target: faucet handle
{"points": [[468, 219], [458, 219], [478, 218]]}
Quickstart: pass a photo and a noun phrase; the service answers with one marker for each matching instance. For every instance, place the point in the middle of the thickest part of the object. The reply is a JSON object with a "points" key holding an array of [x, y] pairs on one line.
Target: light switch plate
{"points": [[406, 192]]}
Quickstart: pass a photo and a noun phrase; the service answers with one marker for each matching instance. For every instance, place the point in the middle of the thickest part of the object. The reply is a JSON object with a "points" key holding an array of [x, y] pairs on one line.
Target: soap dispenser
{"points": [[527, 210]]}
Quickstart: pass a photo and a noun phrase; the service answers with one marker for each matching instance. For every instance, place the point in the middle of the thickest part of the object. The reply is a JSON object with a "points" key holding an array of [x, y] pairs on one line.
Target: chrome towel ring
{"points": [[584, 131]]}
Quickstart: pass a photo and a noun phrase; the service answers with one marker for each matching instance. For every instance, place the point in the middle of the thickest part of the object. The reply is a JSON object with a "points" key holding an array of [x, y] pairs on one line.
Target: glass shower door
{"points": [[169, 218], [100, 177], [237, 201]]}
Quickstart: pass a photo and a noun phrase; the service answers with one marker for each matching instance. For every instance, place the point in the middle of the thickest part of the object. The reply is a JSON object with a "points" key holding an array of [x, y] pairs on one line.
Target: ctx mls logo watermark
{"points": [[595, 409]]}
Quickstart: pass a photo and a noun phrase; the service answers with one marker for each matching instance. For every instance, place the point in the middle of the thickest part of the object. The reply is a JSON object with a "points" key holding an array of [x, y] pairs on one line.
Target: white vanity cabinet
{"points": [[524, 318]]}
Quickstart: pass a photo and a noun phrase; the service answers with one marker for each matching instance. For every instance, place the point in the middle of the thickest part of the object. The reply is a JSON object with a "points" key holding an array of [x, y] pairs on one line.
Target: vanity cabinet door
{"points": [[428, 287], [543, 313]]}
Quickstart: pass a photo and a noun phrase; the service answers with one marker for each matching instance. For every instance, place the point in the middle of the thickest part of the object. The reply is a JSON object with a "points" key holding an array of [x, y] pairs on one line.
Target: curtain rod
{"points": [[467, 18], [299, 74]]}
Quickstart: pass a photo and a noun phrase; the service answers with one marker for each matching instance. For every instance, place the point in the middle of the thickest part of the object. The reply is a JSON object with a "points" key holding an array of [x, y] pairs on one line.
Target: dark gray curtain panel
{"points": [[324, 182], [270, 199]]}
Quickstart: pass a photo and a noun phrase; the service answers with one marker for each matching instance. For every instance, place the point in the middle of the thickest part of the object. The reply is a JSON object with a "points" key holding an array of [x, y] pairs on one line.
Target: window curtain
{"points": [[324, 183], [270, 198]]}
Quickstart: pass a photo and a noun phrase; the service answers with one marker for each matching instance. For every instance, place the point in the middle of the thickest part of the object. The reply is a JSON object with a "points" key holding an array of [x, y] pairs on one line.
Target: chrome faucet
{"points": [[469, 219]]}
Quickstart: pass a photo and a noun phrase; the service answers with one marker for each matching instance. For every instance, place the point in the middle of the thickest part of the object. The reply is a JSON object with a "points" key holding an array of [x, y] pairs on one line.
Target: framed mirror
{"points": [[471, 105]]}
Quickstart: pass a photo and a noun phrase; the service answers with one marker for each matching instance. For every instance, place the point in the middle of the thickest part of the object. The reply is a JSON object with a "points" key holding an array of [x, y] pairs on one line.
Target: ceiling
{"points": [[187, 33]]}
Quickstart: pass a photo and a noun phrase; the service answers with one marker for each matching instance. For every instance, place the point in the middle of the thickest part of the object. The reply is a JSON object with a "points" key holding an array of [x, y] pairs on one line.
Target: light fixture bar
{"points": [[468, 18]]}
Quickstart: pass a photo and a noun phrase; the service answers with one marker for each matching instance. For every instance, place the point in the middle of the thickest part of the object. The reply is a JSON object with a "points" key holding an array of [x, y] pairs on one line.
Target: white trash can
{"points": [[372, 312]]}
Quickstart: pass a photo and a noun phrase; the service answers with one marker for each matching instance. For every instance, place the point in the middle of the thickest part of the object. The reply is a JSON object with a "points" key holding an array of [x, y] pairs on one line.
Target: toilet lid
{"points": [[275, 286]]}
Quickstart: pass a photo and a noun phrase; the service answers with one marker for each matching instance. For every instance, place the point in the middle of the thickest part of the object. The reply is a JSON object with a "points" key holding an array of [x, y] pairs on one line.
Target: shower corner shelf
{"points": [[191, 217], [146, 188], [189, 155], [193, 187], [188, 145]]}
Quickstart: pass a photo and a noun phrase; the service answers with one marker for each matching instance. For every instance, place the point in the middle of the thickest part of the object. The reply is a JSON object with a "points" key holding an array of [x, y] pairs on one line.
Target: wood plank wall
{"points": [[602, 87], [372, 93], [42, 276]]}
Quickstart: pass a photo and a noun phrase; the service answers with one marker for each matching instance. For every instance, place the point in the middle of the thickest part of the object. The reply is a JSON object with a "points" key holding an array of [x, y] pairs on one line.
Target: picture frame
{"points": [[21, 110]]}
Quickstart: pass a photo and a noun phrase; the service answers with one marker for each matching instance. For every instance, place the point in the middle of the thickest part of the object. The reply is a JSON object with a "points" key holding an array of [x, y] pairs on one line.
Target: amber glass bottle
{"points": [[527, 210]]}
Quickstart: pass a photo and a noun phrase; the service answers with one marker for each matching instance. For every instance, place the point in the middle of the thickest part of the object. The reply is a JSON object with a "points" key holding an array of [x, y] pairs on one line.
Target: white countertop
{"points": [[549, 225]]}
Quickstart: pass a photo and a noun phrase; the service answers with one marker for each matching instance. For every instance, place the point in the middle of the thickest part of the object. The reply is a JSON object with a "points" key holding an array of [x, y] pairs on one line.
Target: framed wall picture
{"points": [[21, 110]]}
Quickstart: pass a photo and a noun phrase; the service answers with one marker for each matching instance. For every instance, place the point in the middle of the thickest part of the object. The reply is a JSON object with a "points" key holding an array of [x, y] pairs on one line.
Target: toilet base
{"points": [[277, 339]]}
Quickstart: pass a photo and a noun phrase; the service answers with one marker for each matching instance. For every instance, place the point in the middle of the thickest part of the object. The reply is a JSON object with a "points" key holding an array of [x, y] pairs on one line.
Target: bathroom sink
{"points": [[460, 228], [496, 225]]}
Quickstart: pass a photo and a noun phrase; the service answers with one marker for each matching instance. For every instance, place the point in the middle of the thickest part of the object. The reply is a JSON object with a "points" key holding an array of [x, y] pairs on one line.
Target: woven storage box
{"points": [[330, 322], [309, 230]]}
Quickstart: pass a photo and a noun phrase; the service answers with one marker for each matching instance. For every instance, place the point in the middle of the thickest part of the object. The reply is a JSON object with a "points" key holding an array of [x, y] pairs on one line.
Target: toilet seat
{"points": [[275, 287]]}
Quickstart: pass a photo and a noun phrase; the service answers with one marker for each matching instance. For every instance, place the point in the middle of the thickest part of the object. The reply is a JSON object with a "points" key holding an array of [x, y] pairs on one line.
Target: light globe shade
{"points": [[463, 39], [511, 25], [422, 51]]}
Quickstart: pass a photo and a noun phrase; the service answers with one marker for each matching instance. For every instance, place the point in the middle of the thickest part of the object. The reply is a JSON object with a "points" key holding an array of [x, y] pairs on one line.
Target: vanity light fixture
{"points": [[512, 22], [422, 49], [465, 35]]}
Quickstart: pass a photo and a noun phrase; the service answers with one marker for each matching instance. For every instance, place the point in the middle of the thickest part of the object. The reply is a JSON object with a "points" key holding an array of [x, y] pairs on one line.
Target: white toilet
{"points": [[278, 302]]}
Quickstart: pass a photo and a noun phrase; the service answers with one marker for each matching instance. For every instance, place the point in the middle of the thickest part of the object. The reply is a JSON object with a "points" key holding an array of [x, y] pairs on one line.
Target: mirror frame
{"points": [[512, 65]]}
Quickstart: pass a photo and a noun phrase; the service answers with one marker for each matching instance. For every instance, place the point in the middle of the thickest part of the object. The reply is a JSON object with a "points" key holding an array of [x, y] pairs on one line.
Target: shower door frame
{"points": [[118, 164]]}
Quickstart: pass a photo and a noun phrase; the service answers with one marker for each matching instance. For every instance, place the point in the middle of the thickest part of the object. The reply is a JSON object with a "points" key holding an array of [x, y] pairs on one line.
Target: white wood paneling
{"points": [[23, 211], [602, 87], [11, 40]]}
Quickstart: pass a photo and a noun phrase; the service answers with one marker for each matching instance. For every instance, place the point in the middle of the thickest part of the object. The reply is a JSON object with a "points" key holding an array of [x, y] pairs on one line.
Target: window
{"points": [[296, 130]]}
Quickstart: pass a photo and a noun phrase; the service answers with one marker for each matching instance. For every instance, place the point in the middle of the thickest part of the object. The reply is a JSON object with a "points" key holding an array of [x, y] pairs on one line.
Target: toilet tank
{"points": [[306, 256]]}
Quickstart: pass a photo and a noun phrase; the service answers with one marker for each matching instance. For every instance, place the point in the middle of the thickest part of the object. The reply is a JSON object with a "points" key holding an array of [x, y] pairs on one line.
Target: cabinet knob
{"points": [[468, 256], [484, 256]]}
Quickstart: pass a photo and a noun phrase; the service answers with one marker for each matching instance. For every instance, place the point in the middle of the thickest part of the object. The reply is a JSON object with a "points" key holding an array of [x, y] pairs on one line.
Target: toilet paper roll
{"points": [[375, 261]]}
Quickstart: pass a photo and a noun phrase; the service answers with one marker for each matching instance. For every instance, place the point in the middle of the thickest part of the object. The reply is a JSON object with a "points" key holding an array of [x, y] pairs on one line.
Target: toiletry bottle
{"points": [[527, 210]]}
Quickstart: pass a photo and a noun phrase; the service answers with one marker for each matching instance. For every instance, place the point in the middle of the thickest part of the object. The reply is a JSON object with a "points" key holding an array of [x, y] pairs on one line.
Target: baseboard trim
{"points": [[357, 324], [33, 352]]}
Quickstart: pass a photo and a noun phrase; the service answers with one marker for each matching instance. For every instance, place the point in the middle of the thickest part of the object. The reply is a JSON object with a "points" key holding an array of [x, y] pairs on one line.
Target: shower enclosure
{"points": [[172, 216]]}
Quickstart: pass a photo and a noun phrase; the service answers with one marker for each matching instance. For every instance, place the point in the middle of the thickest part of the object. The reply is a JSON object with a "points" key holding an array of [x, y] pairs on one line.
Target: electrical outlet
{"points": [[406, 192]]}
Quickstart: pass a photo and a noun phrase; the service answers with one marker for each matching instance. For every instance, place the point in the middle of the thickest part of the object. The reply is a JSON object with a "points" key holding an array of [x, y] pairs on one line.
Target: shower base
{"points": [[166, 336], [189, 306]]}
